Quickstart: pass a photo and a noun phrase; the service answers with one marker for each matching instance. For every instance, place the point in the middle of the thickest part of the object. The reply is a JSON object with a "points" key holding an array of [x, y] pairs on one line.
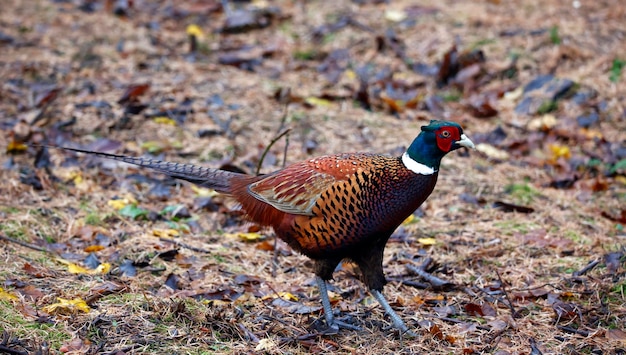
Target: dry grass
{"points": [[510, 270]]}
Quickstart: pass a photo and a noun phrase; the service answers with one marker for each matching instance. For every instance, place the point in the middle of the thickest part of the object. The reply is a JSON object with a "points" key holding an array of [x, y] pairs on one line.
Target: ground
{"points": [[527, 231]]}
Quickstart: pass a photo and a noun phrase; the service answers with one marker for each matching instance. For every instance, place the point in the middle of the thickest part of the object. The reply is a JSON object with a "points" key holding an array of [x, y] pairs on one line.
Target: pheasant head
{"points": [[434, 141]]}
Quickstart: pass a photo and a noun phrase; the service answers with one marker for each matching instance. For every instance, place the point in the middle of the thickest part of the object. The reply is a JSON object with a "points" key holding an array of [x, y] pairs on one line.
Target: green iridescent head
{"points": [[435, 141]]}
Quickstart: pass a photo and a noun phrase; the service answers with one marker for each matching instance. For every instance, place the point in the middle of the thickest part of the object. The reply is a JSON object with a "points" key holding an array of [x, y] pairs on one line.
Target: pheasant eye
{"points": [[445, 134]]}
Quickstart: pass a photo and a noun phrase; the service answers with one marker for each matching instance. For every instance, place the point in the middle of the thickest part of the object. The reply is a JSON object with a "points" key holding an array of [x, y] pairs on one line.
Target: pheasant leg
{"points": [[397, 321], [331, 321]]}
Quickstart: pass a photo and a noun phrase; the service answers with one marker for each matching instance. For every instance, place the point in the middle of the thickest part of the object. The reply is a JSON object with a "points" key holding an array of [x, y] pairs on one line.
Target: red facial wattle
{"points": [[445, 137]]}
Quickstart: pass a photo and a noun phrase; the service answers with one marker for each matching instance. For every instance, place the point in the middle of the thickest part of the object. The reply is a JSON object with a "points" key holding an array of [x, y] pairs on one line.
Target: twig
{"points": [[514, 313], [592, 264], [248, 333], [573, 331], [272, 142], [7, 350], [419, 285], [458, 321], [183, 245], [24, 244], [433, 280]]}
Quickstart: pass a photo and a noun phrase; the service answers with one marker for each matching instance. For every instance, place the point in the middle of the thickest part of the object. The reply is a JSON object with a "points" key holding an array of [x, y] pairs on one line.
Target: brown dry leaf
{"points": [[616, 335], [36, 271], [75, 346], [436, 332], [133, 92], [32, 292]]}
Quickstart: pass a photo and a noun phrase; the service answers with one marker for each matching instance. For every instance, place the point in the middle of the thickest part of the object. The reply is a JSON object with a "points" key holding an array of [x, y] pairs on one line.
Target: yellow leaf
{"points": [[15, 147], [165, 120], [67, 306], [560, 151], [410, 219], [194, 30], [284, 295], [216, 302], [153, 146], [77, 269], [246, 237], [120, 203], [350, 74], [76, 176], [7, 296], [204, 192], [103, 268], [165, 233], [93, 248], [316, 101], [427, 241]]}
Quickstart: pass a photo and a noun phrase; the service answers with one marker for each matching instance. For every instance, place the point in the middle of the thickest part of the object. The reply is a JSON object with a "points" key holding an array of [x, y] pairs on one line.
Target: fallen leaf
{"points": [[8, 296], [246, 237], [283, 295], [67, 306], [103, 268], [165, 233], [119, 203], [427, 241], [616, 334], [93, 248], [165, 120], [194, 30], [133, 92]]}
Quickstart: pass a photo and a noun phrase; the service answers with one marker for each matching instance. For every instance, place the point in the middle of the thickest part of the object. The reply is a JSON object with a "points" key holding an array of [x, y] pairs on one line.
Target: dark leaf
{"points": [[566, 310], [42, 159], [247, 280], [91, 261], [620, 219], [243, 20], [172, 281], [168, 255], [221, 295], [474, 309], [29, 177], [614, 260], [480, 106], [128, 268], [509, 207]]}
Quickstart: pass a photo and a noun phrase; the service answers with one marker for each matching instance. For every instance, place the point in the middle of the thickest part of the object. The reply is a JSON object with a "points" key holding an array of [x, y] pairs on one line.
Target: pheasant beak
{"points": [[466, 142]]}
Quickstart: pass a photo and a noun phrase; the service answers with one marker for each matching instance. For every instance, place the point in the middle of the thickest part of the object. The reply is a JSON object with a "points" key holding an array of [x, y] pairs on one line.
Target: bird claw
{"points": [[408, 334], [334, 326], [339, 324]]}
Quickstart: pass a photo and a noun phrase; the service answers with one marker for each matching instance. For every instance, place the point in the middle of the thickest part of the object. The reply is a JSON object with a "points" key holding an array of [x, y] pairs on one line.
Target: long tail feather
{"points": [[216, 179]]}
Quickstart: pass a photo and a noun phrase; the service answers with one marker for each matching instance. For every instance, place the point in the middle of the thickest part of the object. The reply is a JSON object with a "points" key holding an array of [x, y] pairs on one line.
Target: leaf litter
{"points": [[527, 234]]}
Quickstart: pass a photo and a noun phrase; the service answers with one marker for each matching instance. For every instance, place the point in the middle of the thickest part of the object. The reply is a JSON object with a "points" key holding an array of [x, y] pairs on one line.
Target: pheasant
{"points": [[333, 207]]}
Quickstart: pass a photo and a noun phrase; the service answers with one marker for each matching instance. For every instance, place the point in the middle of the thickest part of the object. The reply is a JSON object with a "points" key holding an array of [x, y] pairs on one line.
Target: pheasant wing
{"points": [[297, 188]]}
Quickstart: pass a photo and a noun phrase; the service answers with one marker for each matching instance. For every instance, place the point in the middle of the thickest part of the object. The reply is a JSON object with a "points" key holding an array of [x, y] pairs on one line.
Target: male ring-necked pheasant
{"points": [[334, 207]]}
